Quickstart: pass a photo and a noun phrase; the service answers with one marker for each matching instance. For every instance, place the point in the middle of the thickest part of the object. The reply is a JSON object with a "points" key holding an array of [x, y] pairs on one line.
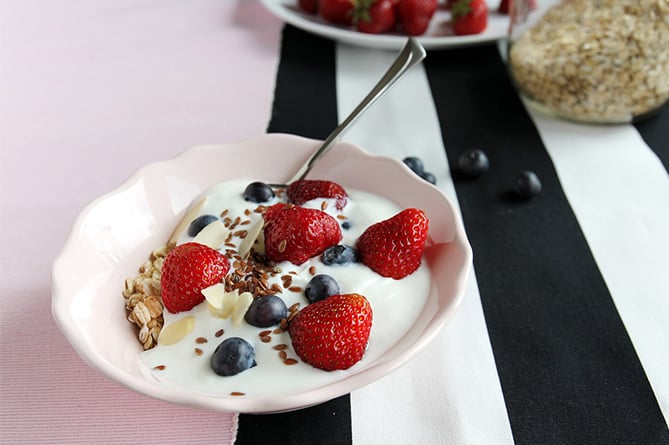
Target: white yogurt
{"points": [[396, 304]]}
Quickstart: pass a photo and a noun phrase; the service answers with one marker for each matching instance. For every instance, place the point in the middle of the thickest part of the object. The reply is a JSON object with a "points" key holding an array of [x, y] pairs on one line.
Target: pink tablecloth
{"points": [[89, 92]]}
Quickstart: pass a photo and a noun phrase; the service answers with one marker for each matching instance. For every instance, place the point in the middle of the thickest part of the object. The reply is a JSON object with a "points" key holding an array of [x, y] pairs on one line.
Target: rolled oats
{"points": [[596, 60], [142, 298]]}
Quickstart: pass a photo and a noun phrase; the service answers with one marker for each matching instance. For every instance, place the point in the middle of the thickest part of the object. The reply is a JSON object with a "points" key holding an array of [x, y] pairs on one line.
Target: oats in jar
{"points": [[596, 60]]}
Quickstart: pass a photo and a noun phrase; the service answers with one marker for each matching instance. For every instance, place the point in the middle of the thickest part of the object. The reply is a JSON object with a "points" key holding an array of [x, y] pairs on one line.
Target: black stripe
{"points": [[304, 104], [568, 370], [655, 131], [305, 95]]}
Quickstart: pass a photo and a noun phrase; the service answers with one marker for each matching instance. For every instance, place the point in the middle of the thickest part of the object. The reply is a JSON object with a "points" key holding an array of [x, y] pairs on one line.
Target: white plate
{"points": [[438, 35], [115, 233]]}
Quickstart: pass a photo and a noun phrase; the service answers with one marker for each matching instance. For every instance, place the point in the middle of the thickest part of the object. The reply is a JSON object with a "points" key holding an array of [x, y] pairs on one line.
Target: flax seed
{"points": [[200, 340], [264, 333], [219, 333], [266, 339], [295, 289], [237, 393], [289, 361], [280, 346], [312, 270], [283, 355], [198, 351], [159, 367]]}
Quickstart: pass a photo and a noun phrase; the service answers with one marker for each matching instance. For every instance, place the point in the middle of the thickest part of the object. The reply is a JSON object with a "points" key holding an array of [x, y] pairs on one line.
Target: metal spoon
{"points": [[411, 55]]}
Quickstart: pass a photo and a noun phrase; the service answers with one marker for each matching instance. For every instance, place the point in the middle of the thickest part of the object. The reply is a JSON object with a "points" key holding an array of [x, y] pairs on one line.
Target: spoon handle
{"points": [[412, 54]]}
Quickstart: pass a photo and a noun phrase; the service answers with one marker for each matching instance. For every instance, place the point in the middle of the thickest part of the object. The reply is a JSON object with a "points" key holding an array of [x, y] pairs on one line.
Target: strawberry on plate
{"points": [[505, 6], [305, 190], [469, 16], [310, 6], [188, 269], [333, 333], [415, 15], [295, 234], [374, 16], [394, 247], [336, 11]]}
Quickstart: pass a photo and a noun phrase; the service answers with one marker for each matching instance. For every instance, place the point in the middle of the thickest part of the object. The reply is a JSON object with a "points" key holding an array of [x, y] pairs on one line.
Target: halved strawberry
{"points": [[295, 234], [394, 247], [332, 333], [305, 190], [188, 269]]}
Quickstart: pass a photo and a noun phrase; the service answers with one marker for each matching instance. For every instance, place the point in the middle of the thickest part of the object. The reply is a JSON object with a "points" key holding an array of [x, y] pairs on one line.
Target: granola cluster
{"points": [[142, 298]]}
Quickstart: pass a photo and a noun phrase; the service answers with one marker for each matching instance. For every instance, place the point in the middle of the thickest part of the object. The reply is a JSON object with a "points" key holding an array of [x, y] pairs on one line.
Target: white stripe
{"points": [[619, 191], [450, 393]]}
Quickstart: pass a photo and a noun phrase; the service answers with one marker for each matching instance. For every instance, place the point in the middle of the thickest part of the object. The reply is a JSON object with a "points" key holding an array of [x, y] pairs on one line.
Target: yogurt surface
{"points": [[396, 304]]}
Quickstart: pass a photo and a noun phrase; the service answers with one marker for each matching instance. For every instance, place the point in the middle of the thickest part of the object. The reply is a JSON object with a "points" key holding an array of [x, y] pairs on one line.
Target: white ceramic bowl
{"points": [[115, 233]]}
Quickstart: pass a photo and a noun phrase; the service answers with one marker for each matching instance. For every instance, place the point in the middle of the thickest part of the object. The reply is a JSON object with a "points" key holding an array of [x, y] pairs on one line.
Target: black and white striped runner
{"points": [[564, 331]]}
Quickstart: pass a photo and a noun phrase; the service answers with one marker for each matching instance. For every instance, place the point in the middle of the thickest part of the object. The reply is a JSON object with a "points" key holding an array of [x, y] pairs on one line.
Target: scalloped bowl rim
{"points": [[338, 163]]}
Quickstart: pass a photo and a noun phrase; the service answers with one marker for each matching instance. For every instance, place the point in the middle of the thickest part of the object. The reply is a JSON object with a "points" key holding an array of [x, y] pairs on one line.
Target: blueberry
{"points": [[266, 311], [473, 163], [346, 225], [429, 177], [233, 356], [527, 184], [415, 164], [320, 287], [200, 223], [339, 254], [258, 192]]}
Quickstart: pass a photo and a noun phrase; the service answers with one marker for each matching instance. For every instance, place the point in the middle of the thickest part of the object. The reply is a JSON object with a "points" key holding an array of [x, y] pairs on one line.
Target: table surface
{"points": [[563, 331]]}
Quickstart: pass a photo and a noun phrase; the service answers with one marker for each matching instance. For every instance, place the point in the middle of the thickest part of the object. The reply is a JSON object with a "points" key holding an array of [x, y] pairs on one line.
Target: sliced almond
{"points": [[190, 215], [223, 305], [253, 232], [176, 331], [214, 295], [213, 234], [243, 302]]}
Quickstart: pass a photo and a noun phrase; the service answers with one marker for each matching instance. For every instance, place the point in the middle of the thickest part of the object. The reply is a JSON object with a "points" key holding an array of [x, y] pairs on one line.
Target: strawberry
{"points": [[469, 16], [295, 234], [188, 269], [394, 247], [336, 11], [415, 15], [505, 6], [305, 190], [332, 333], [309, 6], [374, 16]]}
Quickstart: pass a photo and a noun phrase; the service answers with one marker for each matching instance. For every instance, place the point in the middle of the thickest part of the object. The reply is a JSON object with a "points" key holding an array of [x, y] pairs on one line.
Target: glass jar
{"points": [[596, 61]]}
